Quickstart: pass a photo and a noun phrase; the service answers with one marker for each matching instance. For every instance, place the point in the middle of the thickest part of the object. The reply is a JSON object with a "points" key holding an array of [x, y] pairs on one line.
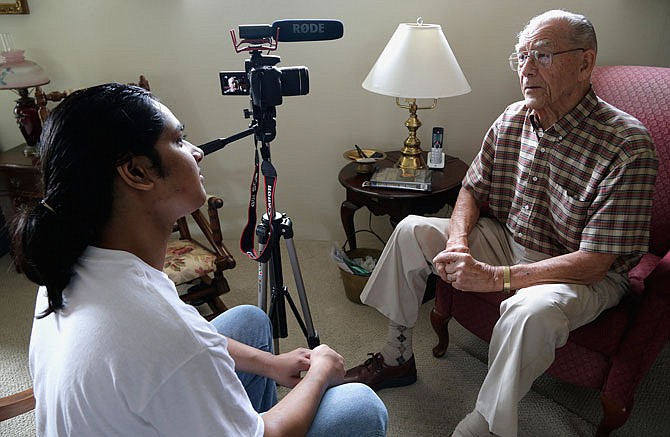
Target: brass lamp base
{"points": [[410, 159], [411, 154]]}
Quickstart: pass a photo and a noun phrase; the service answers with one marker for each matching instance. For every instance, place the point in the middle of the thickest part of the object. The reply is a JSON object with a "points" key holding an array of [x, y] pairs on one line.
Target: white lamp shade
{"points": [[417, 63], [18, 72]]}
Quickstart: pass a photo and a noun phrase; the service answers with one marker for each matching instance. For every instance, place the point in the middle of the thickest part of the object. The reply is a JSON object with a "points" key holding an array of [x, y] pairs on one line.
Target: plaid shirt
{"points": [[583, 184]]}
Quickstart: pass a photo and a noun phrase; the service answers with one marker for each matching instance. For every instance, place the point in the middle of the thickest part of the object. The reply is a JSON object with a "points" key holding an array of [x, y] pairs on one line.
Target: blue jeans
{"points": [[345, 410]]}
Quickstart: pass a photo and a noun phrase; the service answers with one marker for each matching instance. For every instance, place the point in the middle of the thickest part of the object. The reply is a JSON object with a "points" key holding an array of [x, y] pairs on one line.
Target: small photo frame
{"points": [[18, 7]]}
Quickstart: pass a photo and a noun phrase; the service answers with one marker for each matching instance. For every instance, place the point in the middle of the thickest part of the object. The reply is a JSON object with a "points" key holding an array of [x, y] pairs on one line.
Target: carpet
{"points": [[446, 388]]}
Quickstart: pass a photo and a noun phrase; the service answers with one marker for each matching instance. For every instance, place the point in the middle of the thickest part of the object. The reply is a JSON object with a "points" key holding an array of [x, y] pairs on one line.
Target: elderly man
{"points": [[566, 180]]}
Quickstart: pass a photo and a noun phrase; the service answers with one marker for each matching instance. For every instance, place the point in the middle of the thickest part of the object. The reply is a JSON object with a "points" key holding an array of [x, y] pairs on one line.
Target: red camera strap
{"points": [[247, 239]]}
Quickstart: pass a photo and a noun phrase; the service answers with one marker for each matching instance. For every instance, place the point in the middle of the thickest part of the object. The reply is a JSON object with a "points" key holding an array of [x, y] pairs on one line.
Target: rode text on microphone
{"points": [[266, 85]]}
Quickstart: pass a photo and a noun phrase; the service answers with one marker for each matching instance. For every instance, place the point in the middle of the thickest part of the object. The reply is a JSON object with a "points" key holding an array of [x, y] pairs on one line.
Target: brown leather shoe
{"points": [[374, 373]]}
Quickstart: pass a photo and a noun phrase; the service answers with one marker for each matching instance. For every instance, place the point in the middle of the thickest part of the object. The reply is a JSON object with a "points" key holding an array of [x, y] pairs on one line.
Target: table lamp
{"points": [[19, 74], [417, 63]]}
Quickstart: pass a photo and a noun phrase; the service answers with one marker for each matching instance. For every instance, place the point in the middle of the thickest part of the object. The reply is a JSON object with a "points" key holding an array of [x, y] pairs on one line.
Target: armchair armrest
{"points": [[16, 404], [648, 333], [657, 281], [211, 229], [639, 274]]}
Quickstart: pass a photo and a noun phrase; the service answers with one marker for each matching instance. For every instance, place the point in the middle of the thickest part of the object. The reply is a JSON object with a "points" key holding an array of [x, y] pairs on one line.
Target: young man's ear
{"points": [[137, 173]]}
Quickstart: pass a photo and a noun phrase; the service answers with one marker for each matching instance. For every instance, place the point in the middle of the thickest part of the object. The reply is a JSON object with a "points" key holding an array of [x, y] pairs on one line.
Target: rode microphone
{"points": [[307, 30]]}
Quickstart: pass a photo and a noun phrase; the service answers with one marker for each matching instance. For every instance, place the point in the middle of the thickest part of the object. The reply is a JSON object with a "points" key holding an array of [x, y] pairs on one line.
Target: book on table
{"points": [[401, 179]]}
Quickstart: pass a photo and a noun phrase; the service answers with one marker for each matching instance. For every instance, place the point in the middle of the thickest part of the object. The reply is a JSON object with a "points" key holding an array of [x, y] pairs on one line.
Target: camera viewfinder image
{"points": [[234, 83]]}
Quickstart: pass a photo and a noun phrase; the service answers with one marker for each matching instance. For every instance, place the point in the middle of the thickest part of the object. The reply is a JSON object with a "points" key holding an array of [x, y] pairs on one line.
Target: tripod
{"points": [[269, 232], [282, 226], [267, 88]]}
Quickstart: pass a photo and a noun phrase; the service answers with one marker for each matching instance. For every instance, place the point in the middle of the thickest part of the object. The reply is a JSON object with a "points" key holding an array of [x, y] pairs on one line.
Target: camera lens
{"points": [[294, 81]]}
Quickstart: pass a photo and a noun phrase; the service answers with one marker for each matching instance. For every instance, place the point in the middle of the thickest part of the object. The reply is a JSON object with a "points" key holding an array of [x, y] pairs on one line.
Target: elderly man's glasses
{"points": [[542, 59]]}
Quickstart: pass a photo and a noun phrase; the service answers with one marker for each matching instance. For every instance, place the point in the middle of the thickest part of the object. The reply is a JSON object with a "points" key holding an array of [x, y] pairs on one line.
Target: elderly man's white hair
{"points": [[582, 34]]}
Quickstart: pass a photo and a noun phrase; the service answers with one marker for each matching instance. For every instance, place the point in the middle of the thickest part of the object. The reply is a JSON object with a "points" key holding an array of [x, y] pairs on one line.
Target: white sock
{"points": [[398, 347]]}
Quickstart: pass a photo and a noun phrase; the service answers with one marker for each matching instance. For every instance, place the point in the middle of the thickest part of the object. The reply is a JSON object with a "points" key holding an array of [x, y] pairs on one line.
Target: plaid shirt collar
{"points": [[570, 120]]}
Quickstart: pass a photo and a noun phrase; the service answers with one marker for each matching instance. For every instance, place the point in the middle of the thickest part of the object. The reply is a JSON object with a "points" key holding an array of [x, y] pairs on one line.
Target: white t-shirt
{"points": [[126, 357]]}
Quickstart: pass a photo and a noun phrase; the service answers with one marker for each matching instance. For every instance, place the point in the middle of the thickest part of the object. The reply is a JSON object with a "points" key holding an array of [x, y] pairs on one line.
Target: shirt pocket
{"points": [[569, 210]]}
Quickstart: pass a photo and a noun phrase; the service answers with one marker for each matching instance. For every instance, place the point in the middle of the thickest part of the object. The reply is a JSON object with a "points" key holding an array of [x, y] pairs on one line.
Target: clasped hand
{"points": [[456, 266], [322, 360]]}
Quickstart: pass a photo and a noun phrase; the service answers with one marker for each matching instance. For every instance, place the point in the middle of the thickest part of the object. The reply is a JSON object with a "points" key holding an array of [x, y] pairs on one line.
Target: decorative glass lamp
{"points": [[20, 74]]}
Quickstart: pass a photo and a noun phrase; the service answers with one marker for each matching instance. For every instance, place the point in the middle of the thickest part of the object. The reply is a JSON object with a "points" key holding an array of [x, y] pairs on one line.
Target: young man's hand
{"points": [[288, 367]]}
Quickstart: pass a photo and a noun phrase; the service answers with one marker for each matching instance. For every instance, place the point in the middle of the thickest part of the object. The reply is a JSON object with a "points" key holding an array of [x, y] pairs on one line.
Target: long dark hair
{"points": [[84, 139]]}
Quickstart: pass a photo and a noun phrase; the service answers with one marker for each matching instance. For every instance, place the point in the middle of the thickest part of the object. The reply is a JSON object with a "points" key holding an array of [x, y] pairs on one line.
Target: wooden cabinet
{"points": [[20, 181]]}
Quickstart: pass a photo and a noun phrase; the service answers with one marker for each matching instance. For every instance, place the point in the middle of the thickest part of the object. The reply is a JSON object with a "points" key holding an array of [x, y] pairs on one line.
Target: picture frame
{"points": [[19, 7]]}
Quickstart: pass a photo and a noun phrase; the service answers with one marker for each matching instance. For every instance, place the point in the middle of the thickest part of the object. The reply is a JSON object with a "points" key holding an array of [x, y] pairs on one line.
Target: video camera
{"points": [[261, 79], [266, 83]]}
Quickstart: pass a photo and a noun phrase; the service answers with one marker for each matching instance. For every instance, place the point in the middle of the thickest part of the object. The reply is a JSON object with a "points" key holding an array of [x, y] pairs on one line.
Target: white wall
{"points": [[180, 45]]}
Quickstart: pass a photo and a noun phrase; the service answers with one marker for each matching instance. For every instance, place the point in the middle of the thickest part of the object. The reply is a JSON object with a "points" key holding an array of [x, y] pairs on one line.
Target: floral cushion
{"points": [[186, 261]]}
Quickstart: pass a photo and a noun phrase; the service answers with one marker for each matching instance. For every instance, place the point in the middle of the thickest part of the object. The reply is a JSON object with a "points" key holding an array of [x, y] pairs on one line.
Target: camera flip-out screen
{"points": [[234, 83]]}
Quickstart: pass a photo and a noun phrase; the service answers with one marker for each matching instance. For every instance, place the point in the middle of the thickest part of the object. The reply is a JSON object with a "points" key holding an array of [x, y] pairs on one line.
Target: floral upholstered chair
{"points": [[196, 267]]}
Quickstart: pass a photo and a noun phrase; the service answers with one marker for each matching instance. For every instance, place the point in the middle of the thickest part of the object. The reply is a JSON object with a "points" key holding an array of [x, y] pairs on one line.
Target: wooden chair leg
{"points": [[204, 293], [217, 306], [614, 416], [198, 294], [440, 326]]}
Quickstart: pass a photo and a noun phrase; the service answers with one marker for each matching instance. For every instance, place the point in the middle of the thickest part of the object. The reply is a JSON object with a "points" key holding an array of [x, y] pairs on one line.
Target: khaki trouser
{"points": [[533, 322]]}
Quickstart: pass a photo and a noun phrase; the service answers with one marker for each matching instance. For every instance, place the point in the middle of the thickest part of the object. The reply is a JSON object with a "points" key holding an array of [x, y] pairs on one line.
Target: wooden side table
{"points": [[20, 181], [398, 204]]}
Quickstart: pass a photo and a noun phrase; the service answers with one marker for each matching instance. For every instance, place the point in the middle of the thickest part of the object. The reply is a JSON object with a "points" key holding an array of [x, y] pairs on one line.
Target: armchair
{"points": [[614, 352], [197, 268]]}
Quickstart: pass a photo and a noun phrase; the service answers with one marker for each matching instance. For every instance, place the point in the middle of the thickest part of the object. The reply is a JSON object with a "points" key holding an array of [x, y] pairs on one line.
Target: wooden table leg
{"points": [[347, 211]]}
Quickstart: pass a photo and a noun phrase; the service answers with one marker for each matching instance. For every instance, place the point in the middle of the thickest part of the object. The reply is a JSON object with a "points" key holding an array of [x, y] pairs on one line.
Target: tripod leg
{"points": [[262, 230], [263, 286], [278, 293], [277, 316], [271, 272], [312, 336]]}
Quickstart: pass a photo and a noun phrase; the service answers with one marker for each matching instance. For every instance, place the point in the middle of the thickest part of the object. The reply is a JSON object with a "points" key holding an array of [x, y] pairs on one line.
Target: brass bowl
{"points": [[364, 165]]}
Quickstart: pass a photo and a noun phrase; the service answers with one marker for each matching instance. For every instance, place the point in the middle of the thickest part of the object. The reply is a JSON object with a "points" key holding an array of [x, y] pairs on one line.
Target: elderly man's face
{"points": [[550, 90]]}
